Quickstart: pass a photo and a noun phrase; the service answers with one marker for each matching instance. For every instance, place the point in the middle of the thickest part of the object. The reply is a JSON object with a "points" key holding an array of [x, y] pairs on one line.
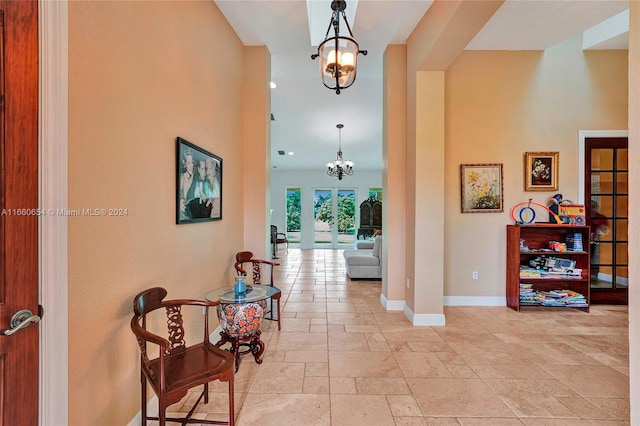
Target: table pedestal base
{"points": [[243, 345]]}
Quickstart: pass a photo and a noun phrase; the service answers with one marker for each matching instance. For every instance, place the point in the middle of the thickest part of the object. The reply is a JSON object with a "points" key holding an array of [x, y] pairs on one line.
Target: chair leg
{"points": [[162, 414], [232, 414], [143, 408], [278, 314]]}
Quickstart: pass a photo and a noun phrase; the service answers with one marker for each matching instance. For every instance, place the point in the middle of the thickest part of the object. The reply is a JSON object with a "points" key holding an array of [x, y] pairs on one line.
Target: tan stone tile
{"points": [[617, 408], [318, 369], [306, 307], [457, 398], [306, 356], [556, 388], [295, 324], [285, 409], [382, 386], [278, 378], [319, 385], [340, 307], [528, 399], [404, 405], [299, 342], [356, 410], [583, 408], [412, 421], [348, 342], [379, 347], [421, 364], [592, 380], [342, 385], [361, 328], [462, 371], [488, 421], [318, 328], [363, 364]]}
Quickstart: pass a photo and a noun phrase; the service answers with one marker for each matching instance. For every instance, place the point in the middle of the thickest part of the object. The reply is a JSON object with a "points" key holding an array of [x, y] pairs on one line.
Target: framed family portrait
{"points": [[541, 171], [481, 188], [198, 184]]}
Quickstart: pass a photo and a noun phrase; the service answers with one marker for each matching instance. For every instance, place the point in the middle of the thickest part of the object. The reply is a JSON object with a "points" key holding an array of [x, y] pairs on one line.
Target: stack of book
{"points": [[574, 241], [527, 294], [568, 298]]}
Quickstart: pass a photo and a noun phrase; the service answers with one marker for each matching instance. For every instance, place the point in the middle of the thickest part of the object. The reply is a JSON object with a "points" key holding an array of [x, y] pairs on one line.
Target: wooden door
{"points": [[18, 209], [607, 200]]}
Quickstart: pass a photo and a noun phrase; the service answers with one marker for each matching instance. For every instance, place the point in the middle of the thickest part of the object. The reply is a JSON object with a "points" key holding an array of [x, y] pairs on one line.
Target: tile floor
{"points": [[340, 359]]}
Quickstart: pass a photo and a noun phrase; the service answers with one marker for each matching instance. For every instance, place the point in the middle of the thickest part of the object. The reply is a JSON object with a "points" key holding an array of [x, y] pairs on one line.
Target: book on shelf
{"points": [[560, 297]]}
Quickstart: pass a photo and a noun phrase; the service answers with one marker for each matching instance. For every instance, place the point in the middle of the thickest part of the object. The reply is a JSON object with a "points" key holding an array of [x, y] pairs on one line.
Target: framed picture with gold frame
{"points": [[481, 188], [541, 171]]}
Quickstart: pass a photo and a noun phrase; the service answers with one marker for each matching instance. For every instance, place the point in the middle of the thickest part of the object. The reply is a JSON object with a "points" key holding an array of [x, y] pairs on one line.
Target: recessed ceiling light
{"points": [[290, 153], [273, 85]]}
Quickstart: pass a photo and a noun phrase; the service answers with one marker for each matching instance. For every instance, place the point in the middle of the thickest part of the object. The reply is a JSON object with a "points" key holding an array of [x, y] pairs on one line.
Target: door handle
{"points": [[22, 319]]}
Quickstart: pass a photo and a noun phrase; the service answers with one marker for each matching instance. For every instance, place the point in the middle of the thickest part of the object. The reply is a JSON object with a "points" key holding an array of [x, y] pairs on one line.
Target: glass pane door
{"points": [[334, 213], [346, 215], [294, 213], [607, 190], [323, 218]]}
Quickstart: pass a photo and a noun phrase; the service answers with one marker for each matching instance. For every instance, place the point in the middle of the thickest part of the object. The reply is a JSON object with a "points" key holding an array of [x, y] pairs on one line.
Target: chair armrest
{"points": [[146, 335]]}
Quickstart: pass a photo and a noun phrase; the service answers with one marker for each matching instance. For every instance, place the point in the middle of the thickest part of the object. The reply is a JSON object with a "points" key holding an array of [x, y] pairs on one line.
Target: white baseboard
{"points": [[475, 301], [391, 305], [424, 319]]}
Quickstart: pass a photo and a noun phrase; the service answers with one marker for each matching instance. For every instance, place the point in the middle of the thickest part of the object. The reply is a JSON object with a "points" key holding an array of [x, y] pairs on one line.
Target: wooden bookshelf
{"points": [[537, 238]]}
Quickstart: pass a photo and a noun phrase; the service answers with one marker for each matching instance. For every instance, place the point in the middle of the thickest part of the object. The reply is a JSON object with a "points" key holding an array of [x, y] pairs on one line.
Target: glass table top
{"points": [[253, 294]]}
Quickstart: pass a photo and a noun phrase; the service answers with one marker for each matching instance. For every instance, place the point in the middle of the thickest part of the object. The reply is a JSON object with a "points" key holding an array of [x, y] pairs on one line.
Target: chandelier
{"points": [[340, 167], [338, 54]]}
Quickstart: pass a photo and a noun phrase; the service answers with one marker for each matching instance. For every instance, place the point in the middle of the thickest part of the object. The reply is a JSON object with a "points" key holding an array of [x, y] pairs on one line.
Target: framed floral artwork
{"points": [[481, 188], [541, 171]]}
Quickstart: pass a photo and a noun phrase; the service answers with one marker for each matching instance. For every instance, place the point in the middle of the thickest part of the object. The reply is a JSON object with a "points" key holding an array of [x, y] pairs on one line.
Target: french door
{"points": [[334, 217], [607, 196]]}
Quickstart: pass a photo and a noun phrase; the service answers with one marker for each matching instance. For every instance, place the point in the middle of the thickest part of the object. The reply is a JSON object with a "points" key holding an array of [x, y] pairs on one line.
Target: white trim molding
{"points": [[391, 305], [424, 319], [52, 188]]}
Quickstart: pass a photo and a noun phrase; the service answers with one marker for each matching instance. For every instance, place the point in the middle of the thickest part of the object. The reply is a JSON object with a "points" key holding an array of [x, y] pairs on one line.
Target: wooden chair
{"points": [[277, 238], [261, 273], [178, 367]]}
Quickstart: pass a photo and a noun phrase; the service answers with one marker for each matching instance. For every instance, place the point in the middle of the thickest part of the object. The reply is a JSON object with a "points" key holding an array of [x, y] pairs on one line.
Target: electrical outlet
{"points": [[408, 283], [474, 275]]}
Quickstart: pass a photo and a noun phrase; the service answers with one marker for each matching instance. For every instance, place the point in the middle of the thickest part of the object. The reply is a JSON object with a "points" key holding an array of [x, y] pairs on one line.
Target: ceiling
{"points": [[306, 113]]}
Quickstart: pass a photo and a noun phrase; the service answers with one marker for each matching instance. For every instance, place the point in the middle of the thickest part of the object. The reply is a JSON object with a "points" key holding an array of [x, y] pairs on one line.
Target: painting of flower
{"points": [[481, 188], [541, 171]]}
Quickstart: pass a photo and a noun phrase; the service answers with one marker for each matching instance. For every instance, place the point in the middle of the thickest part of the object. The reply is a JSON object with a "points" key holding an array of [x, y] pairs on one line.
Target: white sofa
{"points": [[364, 263]]}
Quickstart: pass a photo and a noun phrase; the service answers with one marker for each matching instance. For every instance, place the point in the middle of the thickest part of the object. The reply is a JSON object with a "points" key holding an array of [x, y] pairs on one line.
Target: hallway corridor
{"points": [[342, 360]]}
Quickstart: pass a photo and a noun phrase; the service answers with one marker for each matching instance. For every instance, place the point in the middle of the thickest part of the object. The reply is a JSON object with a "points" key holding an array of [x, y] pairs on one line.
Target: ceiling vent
{"points": [[281, 153]]}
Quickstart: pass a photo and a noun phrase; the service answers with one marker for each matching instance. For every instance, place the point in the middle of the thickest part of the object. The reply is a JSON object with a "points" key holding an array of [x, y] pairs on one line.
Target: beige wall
{"points": [[256, 159], [497, 106], [394, 154], [140, 74], [500, 105]]}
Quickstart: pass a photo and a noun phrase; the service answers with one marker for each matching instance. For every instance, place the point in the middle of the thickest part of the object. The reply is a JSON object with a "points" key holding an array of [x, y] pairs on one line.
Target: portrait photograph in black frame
{"points": [[198, 184]]}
